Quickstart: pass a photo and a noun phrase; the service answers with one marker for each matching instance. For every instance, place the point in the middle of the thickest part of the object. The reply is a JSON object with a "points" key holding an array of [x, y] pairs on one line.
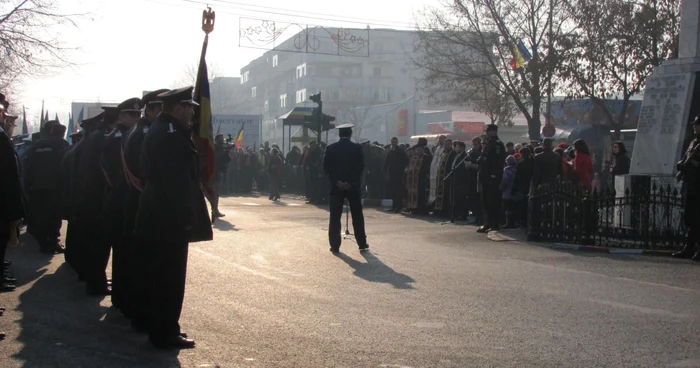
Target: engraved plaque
{"points": [[662, 123]]}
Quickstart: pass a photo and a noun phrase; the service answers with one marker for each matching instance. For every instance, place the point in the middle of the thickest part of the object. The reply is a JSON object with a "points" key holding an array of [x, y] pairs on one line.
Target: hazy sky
{"points": [[127, 46]]}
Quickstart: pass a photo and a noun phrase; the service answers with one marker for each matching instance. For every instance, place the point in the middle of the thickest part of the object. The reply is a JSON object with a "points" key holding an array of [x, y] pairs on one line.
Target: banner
{"points": [[402, 123], [230, 125]]}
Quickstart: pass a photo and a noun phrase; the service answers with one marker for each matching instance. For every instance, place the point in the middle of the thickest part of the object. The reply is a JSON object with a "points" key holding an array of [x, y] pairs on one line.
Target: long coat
{"points": [[172, 206]]}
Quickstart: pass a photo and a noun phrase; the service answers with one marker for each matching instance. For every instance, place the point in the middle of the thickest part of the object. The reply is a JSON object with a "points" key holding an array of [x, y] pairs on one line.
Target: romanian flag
{"points": [[202, 128], [521, 55], [239, 137], [41, 117]]}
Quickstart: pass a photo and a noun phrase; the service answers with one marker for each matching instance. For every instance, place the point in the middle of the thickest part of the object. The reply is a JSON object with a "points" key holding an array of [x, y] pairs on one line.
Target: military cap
{"points": [[180, 95], [131, 105], [695, 121], [151, 98], [93, 120], [77, 134], [345, 126], [111, 113], [491, 128]]}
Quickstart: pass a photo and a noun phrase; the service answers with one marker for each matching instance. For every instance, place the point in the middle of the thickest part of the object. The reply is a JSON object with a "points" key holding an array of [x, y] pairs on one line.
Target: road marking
{"points": [[250, 204], [238, 266], [293, 204]]}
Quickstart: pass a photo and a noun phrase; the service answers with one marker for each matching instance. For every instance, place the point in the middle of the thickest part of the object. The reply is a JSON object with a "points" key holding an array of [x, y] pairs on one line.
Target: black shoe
{"points": [[99, 291], [59, 249], [270, 197], [2, 335], [175, 342], [8, 262], [335, 249], [7, 287], [687, 252], [364, 247], [696, 257], [483, 230]]}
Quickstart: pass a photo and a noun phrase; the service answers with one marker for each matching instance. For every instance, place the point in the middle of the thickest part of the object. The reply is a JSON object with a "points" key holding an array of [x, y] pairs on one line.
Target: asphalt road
{"points": [[268, 293]]}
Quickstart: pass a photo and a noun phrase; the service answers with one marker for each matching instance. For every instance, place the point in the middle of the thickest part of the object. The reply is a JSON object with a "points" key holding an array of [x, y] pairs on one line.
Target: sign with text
{"points": [[230, 125], [663, 122]]}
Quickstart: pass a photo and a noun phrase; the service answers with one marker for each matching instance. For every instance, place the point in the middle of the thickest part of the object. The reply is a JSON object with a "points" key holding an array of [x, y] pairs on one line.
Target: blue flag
{"points": [[69, 131], [80, 117]]}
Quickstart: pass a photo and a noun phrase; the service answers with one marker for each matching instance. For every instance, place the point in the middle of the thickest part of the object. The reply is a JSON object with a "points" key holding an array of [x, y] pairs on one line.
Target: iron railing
{"points": [[651, 219]]}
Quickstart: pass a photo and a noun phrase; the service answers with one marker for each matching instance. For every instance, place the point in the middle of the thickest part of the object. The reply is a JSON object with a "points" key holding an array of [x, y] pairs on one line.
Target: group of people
{"points": [[129, 185]]}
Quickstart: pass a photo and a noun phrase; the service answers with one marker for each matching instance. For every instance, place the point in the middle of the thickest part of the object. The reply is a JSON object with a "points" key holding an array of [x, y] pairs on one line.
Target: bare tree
{"points": [[356, 108], [31, 41], [468, 44], [223, 98], [614, 48], [498, 106]]}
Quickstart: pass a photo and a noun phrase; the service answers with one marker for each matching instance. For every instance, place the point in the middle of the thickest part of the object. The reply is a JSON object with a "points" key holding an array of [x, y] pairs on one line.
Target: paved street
{"points": [[268, 293]]}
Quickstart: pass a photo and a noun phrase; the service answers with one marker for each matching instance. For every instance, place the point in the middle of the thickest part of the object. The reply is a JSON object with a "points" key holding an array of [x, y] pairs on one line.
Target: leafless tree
{"points": [[356, 109], [614, 48], [222, 99], [31, 40], [467, 44]]}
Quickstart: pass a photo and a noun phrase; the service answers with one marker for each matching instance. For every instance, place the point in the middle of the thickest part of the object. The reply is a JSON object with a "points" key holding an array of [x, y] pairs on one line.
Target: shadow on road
{"points": [[60, 326], [376, 271], [223, 225]]}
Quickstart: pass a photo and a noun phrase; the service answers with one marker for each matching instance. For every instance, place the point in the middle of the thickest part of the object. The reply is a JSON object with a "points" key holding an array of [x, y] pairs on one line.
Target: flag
{"points": [[46, 118], [25, 128], [69, 131], [41, 117], [80, 119], [239, 137], [521, 55], [202, 128], [57, 117]]}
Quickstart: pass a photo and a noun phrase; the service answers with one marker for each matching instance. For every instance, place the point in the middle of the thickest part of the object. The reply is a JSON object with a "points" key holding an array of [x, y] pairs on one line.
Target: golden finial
{"points": [[208, 18]]}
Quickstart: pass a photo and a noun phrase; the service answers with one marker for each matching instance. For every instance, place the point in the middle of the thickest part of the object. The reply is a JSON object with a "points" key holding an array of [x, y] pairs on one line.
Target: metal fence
{"points": [[643, 219]]}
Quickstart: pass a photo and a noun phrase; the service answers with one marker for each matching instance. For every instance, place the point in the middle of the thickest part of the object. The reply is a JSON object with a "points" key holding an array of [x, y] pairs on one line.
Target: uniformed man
{"points": [[11, 197], [172, 213], [115, 194], [139, 259], [490, 174], [395, 168], [90, 203], [42, 184], [67, 181], [343, 164], [77, 235], [689, 172]]}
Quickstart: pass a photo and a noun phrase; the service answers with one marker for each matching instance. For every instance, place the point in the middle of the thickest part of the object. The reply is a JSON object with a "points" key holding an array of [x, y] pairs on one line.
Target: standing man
{"points": [[473, 190], [115, 194], [460, 178], [11, 204], [395, 168], [689, 172], [344, 164], [172, 213], [490, 175], [312, 167], [42, 183], [138, 256]]}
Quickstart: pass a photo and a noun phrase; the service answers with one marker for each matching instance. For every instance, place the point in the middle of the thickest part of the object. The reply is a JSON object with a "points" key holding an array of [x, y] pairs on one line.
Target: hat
{"points": [[491, 128], [345, 126], [151, 98], [695, 121], [131, 105], [111, 113], [93, 120], [77, 134], [180, 95]]}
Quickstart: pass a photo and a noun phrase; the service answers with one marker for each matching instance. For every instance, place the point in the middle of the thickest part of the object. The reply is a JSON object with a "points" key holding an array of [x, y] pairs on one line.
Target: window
{"points": [[254, 91], [283, 100], [301, 71], [301, 95], [275, 60], [244, 77], [266, 107]]}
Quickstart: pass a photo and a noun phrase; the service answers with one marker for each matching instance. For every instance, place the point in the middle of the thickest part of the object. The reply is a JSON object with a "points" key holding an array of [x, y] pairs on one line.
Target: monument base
{"points": [[645, 201]]}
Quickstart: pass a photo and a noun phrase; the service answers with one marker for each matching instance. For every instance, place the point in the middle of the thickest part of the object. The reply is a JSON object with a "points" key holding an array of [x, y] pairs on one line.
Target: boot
{"points": [[696, 257]]}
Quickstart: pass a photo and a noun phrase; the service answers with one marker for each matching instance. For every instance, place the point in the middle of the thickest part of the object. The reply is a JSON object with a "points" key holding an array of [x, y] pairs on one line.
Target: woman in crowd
{"points": [[620, 162], [583, 165]]}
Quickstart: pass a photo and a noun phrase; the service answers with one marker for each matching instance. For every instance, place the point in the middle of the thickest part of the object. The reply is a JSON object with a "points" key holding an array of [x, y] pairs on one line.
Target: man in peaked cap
{"points": [[172, 213], [344, 163], [138, 259], [42, 178], [128, 112], [491, 163], [89, 199], [76, 251]]}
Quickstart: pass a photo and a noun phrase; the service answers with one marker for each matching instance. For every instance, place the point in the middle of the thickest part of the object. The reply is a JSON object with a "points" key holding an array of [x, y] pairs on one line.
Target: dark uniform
{"points": [[395, 166], [473, 195], [90, 199], [490, 174], [460, 176], [172, 213], [138, 257], [42, 185], [67, 181], [11, 199], [116, 190], [345, 162], [689, 172]]}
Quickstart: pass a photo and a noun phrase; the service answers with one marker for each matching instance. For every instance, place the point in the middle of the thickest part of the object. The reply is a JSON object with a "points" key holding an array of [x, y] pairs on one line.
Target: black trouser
{"points": [[46, 217], [96, 254], [491, 202], [398, 189], [461, 208], [474, 203], [275, 182], [120, 272], [167, 288], [138, 259], [358, 219], [692, 221]]}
